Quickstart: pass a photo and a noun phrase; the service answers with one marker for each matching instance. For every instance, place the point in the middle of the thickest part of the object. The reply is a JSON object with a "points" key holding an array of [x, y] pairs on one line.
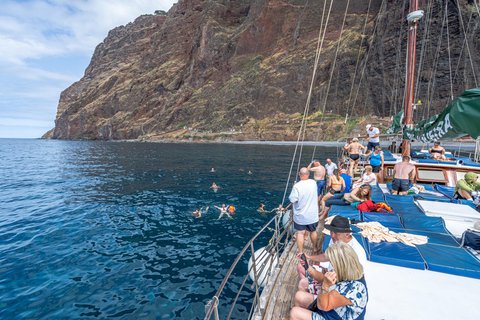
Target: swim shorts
{"points": [[376, 169], [308, 227], [372, 145], [354, 156], [320, 185], [400, 184]]}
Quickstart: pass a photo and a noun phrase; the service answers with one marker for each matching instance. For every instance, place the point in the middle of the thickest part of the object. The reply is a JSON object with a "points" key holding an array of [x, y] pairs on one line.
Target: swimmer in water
{"points": [[262, 208], [249, 172], [280, 209], [223, 210], [231, 208], [213, 170], [197, 213], [214, 186], [202, 211]]}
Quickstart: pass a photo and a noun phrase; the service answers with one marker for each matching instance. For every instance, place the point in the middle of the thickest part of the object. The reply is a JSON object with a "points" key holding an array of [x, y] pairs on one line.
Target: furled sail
{"points": [[461, 117]]}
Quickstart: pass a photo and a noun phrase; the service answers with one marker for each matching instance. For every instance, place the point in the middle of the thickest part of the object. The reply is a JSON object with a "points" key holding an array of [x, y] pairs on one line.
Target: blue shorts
{"points": [[400, 184], [320, 185], [372, 145], [308, 227]]}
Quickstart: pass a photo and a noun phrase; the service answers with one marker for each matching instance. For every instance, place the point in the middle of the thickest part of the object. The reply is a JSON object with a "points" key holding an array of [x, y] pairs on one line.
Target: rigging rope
{"points": [[466, 41], [358, 60], [317, 58], [449, 58], [333, 67]]}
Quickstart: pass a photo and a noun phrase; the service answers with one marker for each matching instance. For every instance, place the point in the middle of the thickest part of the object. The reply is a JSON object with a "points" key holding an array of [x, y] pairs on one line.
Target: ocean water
{"points": [[103, 230]]}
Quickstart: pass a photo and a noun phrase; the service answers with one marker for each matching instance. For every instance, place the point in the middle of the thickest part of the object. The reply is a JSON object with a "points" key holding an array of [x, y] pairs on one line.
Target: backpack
{"points": [[366, 206], [471, 238]]}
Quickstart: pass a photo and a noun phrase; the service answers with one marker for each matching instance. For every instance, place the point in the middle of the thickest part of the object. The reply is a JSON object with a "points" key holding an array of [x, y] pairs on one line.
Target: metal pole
{"points": [[257, 296], [409, 86]]}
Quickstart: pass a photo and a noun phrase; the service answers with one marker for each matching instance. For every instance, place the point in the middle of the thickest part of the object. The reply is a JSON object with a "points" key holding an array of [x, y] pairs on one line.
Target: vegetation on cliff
{"points": [[242, 70]]}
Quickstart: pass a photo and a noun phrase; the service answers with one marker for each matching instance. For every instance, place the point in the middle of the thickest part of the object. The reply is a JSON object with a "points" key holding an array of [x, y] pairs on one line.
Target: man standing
{"points": [[403, 174], [318, 175], [305, 209], [330, 166], [372, 137]]}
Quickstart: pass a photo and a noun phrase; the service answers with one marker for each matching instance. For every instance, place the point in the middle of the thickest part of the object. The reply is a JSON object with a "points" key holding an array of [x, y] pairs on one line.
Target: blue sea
{"points": [[103, 230]]}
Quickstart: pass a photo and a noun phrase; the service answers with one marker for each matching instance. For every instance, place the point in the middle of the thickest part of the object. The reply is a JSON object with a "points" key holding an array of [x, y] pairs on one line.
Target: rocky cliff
{"points": [[246, 66]]}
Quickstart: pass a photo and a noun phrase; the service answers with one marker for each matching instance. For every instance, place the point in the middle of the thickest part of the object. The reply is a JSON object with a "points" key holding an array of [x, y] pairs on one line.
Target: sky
{"points": [[45, 46]]}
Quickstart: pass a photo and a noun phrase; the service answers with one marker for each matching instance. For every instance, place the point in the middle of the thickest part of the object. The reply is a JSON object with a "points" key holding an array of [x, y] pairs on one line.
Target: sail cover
{"points": [[461, 117]]}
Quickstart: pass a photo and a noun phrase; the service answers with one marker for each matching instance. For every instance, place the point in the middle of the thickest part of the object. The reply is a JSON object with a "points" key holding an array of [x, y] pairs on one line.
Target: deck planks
{"points": [[279, 303]]}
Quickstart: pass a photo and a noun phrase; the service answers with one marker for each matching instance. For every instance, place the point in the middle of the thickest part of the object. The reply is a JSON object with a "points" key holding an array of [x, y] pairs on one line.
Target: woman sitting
{"points": [[368, 177], [358, 194], [344, 292], [437, 152], [335, 185]]}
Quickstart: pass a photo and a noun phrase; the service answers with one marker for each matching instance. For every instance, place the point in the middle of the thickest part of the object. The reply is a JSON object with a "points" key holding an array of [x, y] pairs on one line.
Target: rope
{"points": [[368, 55], [317, 58], [466, 41], [449, 57], [358, 61]]}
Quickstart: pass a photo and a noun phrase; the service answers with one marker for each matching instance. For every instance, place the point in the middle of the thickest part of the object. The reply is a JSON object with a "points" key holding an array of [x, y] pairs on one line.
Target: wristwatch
{"points": [[324, 291]]}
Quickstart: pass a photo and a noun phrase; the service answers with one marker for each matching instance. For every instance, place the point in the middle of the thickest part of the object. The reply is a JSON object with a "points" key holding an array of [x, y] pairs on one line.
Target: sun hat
{"points": [[339, 224], [368, 126]]}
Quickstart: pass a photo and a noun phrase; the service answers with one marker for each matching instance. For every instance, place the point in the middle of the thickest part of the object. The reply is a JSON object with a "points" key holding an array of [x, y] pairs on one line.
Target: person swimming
{"points": [[223, 211], [213, 170], [262, 208], [214, 186], [197, 213]]}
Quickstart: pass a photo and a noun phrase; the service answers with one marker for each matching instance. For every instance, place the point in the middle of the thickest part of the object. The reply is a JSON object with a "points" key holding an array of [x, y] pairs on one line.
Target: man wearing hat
{"points": [[465, 187], [339, 231], [372, 137]]}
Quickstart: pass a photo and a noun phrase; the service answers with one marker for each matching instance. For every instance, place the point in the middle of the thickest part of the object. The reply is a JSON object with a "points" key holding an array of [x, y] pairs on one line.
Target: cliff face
{"points": [[222, 65]]}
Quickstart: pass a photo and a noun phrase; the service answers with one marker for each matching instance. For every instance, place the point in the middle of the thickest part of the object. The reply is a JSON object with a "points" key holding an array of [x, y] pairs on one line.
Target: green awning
{"points": [[461, 117]]}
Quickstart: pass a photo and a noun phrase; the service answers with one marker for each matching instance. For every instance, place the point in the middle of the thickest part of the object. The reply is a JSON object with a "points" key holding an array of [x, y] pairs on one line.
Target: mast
{"points": [[412, 19]]}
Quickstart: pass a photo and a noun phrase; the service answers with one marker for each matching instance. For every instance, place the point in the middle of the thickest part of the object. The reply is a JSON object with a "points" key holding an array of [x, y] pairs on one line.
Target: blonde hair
{"points": [[344, 261], [355, 139], [369, 168]]}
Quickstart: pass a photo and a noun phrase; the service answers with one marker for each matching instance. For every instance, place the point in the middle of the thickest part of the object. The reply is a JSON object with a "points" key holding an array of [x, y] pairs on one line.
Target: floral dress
{"points": [[356, 292]]}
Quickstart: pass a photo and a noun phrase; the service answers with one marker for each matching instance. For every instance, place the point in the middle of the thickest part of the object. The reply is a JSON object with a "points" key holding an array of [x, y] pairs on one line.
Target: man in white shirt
{"points": [[305, 209], [330, 166], [372, 137], [339, 231]]}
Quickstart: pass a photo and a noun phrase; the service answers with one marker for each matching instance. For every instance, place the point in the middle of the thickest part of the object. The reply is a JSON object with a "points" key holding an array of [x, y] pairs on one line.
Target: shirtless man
{"points": [[403, 174], [319, 176], [437, 152], [354, 150]]}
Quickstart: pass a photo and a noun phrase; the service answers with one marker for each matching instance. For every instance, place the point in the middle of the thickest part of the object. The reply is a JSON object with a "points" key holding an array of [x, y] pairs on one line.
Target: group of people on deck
{"points": [[339, 290]]}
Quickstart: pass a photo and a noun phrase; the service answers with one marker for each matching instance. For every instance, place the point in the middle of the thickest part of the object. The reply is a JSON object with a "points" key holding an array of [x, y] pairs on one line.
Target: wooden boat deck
{"points": [[278, 296]]}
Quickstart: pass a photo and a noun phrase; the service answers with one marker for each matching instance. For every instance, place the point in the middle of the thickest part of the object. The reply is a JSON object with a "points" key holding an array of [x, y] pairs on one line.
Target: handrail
{"points": [[211, 307]]}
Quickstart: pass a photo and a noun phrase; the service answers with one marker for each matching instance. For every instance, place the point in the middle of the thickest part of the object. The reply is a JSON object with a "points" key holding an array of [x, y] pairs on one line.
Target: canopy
{"points": [[460, 118]]}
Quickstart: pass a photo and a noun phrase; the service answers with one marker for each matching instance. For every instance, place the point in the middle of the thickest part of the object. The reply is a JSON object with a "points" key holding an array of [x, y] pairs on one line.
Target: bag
{"points": [[383, 207], [471, 238], [366, 206], [313, 306]]}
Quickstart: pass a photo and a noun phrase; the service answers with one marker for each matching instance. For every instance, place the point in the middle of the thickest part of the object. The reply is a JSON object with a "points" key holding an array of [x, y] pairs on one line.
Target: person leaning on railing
{"points": [[344, 292]]}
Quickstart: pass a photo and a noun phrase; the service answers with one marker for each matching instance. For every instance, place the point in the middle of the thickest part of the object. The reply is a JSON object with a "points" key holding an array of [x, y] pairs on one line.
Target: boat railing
{"points": [[262, 265]]}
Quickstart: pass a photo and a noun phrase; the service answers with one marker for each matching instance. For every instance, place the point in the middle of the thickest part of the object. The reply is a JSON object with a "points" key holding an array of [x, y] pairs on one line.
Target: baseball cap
{"points": [[368, 126]]}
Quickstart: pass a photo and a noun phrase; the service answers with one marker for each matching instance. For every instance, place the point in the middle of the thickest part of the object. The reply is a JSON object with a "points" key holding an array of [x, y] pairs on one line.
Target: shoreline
{"points": [[470, 146]]}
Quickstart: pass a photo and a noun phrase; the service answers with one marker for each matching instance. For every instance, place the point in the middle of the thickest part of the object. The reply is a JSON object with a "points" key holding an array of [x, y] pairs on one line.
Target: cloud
{"points": [[36, 29], [45, 46]]}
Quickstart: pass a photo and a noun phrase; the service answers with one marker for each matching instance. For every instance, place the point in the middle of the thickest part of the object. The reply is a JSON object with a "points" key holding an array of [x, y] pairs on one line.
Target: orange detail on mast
{"points": [[409, 86]]}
